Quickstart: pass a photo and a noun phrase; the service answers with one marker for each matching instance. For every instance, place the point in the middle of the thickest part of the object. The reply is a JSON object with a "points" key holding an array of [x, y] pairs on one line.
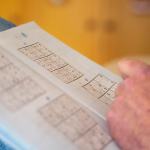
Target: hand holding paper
{"points": [[128, 118]]}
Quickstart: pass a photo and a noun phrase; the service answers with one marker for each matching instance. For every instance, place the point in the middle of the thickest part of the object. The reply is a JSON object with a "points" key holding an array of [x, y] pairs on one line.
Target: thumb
{"points": [[129, 67]]}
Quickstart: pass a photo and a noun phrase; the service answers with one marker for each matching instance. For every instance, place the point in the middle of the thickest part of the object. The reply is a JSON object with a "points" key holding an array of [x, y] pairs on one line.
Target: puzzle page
{"points": [[84, 81], [37, 115]]}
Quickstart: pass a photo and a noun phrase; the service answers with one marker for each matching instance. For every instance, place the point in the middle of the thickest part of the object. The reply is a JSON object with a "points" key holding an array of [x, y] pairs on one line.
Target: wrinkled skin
{"points": [[129, 117]]}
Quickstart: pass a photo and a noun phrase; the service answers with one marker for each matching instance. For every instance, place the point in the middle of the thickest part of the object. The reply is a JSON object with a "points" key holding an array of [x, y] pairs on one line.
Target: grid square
{"points": [[76, 124], [21, 94], [102, 88], [16, 88], [51, 62], [3, 61]]}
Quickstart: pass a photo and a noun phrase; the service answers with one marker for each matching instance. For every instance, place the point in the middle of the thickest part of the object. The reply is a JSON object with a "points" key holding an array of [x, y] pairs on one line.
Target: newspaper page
{"points": [[51, 94]]}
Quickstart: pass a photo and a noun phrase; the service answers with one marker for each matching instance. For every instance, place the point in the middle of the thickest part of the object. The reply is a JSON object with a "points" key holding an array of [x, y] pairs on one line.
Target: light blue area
{"points": [[5, 133], [24, 35], [86, 79], [48, 98], [4, 146]]}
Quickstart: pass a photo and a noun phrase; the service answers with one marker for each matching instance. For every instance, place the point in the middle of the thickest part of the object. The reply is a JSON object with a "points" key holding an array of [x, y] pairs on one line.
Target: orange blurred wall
{"points": [[99, 29]]}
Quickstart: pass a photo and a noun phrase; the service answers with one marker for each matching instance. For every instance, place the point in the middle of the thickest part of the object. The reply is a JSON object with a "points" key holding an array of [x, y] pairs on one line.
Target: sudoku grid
{"points": [[16, 88], [75, 123], [51, 62], [102, 88]]}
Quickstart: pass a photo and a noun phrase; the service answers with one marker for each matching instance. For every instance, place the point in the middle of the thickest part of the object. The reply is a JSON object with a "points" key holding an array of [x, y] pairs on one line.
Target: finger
{"points": [[129, 67], [119, 89]]}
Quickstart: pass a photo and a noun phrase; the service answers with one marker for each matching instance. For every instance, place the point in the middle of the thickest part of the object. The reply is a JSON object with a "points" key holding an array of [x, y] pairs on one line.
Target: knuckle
{"points": [[118, 99], [122, 87], [129, 83], [144, 73]]}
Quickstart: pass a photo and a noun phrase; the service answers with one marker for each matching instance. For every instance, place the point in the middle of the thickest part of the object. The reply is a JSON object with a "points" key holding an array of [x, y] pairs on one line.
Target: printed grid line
{"points": [[51, 62], [16, 88], [64, 114], [102, 88]]}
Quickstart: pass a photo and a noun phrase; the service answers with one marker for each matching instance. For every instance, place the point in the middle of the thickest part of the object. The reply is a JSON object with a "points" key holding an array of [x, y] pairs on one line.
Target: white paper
{"points": [[51, 94]]}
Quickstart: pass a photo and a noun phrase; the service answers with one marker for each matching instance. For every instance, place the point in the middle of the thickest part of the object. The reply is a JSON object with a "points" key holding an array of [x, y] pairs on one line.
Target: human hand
{"points": [[129, 116]]}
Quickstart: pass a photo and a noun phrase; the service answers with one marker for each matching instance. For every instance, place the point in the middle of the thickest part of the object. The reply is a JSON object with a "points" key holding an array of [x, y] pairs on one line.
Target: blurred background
{"points": [[103, 30]]}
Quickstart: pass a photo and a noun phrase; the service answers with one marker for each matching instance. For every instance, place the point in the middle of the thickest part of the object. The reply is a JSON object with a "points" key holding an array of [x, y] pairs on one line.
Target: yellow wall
{"points": [[134, 32], [99, 29], [11, 10]]}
